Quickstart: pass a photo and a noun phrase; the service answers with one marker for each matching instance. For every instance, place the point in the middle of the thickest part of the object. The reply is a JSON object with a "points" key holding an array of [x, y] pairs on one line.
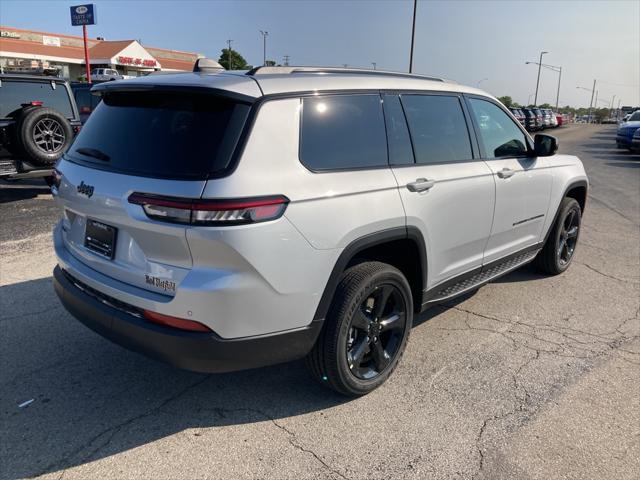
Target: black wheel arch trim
{"points": [[360, 244], [571, 186]]}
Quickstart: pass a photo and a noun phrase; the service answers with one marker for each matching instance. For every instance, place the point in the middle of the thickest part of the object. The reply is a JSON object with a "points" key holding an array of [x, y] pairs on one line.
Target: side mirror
{"points": [[544, 145]]}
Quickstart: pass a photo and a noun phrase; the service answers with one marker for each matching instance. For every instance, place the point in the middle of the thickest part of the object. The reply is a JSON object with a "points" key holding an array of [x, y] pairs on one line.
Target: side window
{"points": [[500, 136], [400, 150], [438, 128], [342, 132]]}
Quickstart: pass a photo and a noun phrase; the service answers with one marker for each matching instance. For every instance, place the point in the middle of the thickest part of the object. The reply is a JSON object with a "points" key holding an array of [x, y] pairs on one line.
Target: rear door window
{"points": [[342, 132], [438, 128], [13, 93], [178, 135]]}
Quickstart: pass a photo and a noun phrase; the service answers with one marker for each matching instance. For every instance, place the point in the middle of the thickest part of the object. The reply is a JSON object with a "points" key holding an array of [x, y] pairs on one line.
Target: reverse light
{"points": [[211, 212], [174, 322]]}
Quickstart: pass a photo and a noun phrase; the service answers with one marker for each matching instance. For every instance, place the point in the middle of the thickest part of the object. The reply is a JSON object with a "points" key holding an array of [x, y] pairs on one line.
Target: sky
{"points": [[471, 42]]}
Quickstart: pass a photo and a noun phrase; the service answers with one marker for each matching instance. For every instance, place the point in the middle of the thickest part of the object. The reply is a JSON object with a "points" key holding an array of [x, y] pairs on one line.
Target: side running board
{"points": [[485, 275]]}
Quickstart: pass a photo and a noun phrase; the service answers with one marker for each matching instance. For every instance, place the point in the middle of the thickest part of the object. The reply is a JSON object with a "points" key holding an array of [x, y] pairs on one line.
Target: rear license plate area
{"points": [[100, 238]]}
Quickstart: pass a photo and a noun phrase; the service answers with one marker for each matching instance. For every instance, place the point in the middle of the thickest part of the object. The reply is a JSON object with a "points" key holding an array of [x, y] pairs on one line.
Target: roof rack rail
{"points": [[359, 71]]}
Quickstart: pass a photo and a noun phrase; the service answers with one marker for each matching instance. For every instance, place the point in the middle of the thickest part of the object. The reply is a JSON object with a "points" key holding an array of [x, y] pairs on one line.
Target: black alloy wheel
{"points": [[376, 332], [568, 237], [560, 246], [365, 331]]}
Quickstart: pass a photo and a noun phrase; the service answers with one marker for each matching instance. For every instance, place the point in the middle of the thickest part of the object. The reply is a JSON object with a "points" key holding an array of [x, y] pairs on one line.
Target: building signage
{"points": [[83, 15], [6, 34], [136, 61], [51, 41]]}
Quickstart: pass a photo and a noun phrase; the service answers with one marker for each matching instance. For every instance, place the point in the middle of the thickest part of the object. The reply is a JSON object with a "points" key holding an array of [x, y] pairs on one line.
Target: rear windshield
{"points": [[13, 93], [179, 135]]}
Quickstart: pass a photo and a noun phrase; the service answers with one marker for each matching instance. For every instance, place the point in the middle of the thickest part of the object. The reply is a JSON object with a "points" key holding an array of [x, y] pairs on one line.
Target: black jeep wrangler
{"points": [[38, 121]]}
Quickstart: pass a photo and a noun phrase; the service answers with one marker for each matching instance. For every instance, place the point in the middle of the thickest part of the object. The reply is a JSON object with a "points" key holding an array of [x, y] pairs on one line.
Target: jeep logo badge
{"points": [[85, 189]]}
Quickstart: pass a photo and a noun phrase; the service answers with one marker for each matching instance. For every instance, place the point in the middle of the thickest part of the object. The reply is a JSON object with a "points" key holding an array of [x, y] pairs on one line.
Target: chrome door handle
{"points": [[506, 173], [420, 185]]}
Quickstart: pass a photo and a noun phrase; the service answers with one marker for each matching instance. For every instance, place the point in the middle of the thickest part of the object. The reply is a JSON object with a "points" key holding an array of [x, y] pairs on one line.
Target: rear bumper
{"points": [[201, 352]]}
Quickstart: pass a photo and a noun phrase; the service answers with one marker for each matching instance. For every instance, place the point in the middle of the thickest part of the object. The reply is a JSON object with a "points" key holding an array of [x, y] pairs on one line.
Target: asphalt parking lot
{"points": [[531, 377]]}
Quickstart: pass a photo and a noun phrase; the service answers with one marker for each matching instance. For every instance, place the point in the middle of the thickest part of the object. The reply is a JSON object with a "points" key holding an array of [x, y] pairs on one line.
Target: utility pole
{"points": [[535, 100], [413, 35], [374, 65], [286, 60], [264, 34], [229, 54], [593, 91], [618, 109]]}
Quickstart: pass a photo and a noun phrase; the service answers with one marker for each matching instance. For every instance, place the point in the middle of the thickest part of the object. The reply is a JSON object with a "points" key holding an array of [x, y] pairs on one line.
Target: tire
{"points": [[557, 253], [353, 359], [44, 135]]}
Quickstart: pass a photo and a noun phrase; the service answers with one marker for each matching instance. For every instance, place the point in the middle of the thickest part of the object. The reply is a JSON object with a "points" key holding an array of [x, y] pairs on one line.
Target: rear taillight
{"points": [[85, 109], [211, 212], [174, 322]]}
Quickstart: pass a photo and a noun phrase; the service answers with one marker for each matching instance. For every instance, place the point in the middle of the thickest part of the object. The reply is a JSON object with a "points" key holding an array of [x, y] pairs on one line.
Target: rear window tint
{"points": [[342, 132], [161, 134], [438, 128], [14, 93]]}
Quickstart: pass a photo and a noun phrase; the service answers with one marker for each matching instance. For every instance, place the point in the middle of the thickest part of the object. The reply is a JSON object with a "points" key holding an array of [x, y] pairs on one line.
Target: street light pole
{"points": [[558, 94], [413, 35], [374, 65], [229, 54], [264, 34], [480, 81], [535, 100], [593, 91]]}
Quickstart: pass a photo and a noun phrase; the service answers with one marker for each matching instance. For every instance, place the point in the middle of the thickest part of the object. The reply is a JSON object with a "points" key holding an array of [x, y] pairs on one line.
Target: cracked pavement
{"points": [[531, 377]]}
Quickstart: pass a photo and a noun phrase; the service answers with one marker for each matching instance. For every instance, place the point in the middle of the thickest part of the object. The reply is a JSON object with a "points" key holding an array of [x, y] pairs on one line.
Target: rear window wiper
{"points": [[93, 152]]}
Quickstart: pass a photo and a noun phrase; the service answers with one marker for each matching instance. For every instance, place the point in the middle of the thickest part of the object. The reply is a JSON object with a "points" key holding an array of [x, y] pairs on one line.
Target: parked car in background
{"points": [[530, 120], [38, 121], [624, 135], [539, 118], [105, 75], [518, 114], [635, 142], [211, 222], [84, 100], [559, 119], [552, 118]]}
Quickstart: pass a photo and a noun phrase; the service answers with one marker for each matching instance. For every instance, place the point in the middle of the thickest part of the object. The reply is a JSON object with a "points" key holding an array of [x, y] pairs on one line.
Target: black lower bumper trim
{"points": [[200, 352]]}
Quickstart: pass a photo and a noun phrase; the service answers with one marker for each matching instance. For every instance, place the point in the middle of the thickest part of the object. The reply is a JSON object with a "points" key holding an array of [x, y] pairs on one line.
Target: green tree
{"points": [[507, 101], [545, 105], [270, 63], [232, 60]]}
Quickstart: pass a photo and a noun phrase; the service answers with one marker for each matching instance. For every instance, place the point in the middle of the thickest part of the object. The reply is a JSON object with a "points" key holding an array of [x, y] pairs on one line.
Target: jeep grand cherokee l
{"points": [[221, 221]]}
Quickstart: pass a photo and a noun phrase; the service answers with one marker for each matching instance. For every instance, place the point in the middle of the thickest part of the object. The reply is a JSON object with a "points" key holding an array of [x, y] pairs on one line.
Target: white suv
{"points": [[221, 221]]}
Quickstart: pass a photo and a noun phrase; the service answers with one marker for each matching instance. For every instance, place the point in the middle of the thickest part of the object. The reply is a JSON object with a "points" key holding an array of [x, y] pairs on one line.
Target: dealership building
{"points": [[29, 51]]}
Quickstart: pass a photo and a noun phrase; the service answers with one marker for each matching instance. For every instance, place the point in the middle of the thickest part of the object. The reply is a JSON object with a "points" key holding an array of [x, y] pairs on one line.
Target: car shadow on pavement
{"points": [[93, 399], [16, 191], [631, 163]]}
